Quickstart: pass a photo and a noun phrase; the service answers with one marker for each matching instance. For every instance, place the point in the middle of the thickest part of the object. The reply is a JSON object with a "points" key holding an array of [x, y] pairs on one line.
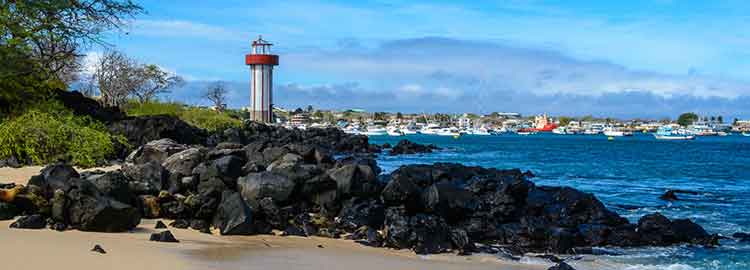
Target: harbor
{"points": [[511, 124]]}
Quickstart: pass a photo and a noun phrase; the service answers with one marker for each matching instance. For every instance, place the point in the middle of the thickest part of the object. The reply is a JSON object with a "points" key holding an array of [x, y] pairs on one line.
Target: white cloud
{"points": [[182, 28], [439, 64]]}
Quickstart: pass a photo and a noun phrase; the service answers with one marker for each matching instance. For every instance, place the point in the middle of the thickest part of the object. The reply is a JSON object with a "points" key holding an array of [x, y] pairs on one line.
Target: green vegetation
{"points": [[687, 119], [50, 132], [203, 118], [564, 120]]}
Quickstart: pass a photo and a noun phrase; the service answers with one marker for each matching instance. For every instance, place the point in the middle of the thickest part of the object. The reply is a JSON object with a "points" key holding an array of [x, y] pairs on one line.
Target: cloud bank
{"points": [[450, 75]]}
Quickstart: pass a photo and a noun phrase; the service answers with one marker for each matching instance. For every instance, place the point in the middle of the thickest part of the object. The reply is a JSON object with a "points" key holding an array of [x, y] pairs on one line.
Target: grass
{"points": [[203, 118]]}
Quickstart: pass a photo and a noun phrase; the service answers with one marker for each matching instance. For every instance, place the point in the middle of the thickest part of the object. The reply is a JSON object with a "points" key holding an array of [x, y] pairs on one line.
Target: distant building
{"points": [[300, 119], [464, 121]]}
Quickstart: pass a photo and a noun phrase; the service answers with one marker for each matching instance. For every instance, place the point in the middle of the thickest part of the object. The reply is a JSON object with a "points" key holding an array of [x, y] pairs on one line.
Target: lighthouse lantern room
{"points": [[261, 63]]}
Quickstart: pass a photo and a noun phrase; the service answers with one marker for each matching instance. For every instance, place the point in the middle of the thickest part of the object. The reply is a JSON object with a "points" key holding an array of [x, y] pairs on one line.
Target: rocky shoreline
{"points": [[261, 179]]}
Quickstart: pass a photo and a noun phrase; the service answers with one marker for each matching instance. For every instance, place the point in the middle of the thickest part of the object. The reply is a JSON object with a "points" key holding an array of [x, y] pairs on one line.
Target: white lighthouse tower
{"points": [[261, 63]]}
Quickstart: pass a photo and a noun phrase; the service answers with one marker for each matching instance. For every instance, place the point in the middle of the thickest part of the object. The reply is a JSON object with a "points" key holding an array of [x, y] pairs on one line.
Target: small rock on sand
{"points": [[98, 249], [165, 236]]}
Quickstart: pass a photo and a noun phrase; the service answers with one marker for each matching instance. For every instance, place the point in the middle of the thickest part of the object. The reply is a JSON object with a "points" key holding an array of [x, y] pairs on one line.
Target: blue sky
{"points": [[638, 58]]}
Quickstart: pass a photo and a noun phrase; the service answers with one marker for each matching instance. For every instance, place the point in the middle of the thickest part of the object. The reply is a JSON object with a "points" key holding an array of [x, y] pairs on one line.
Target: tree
{"points": [[399, 115], [52, 31], [116, 76], [687, 119], [379, 116], [40, 43], [720, 119], [564, 120], [154, 81], [217, 94], [309, 108]]}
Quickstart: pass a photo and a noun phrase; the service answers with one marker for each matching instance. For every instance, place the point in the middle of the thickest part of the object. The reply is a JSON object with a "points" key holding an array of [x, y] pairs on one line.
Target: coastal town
{"points": [[357, 121]]}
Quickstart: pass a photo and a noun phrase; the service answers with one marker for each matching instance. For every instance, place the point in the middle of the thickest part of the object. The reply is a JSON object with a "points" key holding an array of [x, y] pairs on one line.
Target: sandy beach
{"points": [[71, 249]]}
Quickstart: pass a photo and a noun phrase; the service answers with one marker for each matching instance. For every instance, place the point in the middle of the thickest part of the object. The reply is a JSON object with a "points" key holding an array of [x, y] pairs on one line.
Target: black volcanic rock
{"points": [[671, 195], [29, 222], [53, 177], [84, 106], [142, 129], [408, 147], [561, 266], [165, 236], [89, 210]]}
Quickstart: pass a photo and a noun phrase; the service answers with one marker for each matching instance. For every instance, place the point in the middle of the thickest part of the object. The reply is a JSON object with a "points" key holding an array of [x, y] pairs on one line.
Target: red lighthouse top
{"points": [[261, 54]]}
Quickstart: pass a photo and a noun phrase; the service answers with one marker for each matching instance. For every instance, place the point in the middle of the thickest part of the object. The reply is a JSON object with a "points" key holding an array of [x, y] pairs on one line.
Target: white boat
{"points": [[674, 137], [374, 131], [479, 131], [525, 133], [745, 134], [430, 129], [666, 133], [611, 132], [395, 132], [448, 132], [407, 131], [559, 131]]}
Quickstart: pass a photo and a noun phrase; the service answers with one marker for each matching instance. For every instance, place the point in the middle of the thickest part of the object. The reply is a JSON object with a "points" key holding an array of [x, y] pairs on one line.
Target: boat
{"points": [[542, 124], [430, 129], [448, 132], [374, 131], [482, 131], [612, 132], [666, 133], [559, 131], [395, 132], [745, 134], [525, 133]]}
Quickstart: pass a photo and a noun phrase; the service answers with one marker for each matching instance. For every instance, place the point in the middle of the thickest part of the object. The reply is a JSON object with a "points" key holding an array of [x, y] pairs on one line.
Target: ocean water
{"points": [[628, 174]]}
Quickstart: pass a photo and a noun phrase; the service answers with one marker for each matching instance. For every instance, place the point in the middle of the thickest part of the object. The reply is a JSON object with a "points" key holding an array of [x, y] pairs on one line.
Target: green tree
{"points": [[399, 115], [687, 119], [41, 40], [720, 119], [564, 120]]}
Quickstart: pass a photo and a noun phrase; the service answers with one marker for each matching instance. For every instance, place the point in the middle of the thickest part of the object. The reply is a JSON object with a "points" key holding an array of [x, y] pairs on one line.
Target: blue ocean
{"points": [[628, 174]]}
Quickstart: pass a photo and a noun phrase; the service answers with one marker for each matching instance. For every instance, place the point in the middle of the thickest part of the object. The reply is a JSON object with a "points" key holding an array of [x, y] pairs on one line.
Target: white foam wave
{"points": [[676, 266]]}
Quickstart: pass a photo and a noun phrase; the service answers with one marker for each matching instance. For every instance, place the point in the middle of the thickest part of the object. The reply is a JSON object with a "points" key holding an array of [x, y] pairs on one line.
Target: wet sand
{"points": [[48, 249], [273, 252]]}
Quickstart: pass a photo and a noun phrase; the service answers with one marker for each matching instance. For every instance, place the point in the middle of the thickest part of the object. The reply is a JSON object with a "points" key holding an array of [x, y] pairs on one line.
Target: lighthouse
{"points": [[261, 63]]}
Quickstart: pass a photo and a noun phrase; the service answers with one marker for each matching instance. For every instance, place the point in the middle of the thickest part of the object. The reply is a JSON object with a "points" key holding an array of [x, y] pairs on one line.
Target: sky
{"points": [[637, 58]]}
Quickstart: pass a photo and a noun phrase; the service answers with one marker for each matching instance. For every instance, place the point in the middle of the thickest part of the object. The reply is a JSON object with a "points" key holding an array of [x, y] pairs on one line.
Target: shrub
{"points": [[202, 118], [50, 132]]}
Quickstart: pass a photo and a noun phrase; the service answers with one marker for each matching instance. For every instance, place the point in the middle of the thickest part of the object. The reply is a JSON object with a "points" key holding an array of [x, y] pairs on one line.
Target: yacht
{"points": [[394, 131], [559, 131], [612, 132], [430, 129], [481, 131], [667, 133], [374, 131], [448, 132]]}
